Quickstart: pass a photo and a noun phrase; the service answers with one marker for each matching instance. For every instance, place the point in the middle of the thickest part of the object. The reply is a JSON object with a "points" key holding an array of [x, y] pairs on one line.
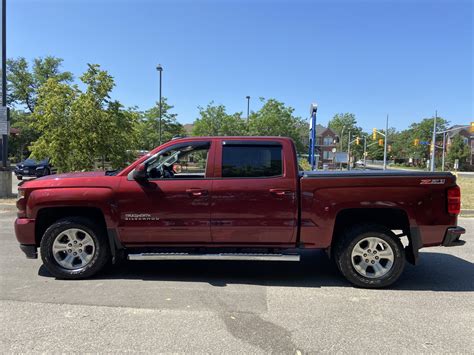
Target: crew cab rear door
{"points": [[172, 206], [254, 193]]}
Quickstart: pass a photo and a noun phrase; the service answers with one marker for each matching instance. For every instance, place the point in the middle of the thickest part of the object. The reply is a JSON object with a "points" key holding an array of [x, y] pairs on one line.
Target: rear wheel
{"points": [[370, 256], [74, 248]]}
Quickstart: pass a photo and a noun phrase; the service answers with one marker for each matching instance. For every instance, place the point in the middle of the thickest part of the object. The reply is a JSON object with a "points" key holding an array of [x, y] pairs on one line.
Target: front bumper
{"points": [[451, 239]]}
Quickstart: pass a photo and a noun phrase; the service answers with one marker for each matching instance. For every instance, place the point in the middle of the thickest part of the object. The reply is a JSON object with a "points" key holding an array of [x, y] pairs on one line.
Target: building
{"points": [[467, 136], [325, 143]]}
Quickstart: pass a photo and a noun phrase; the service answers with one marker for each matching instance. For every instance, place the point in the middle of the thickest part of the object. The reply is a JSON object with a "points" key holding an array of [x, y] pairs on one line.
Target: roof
{"points": [[456, 129]]}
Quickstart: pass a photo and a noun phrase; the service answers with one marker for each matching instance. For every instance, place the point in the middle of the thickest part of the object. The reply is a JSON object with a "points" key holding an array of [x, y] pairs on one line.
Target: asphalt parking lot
{"points": [[229, 307]]}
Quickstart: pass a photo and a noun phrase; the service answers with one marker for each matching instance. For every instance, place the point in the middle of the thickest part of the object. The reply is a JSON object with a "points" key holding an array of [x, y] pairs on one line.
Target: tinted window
{"points": [[251, 161]]}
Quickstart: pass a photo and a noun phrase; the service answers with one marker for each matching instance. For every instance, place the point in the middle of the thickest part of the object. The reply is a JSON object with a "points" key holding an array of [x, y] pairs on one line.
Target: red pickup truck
{"points": [[236, 198]]}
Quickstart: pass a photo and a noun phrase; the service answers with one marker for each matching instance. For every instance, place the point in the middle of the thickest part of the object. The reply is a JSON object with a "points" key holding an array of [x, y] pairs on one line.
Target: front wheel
{"points": [[74, 248], [370, 256]]}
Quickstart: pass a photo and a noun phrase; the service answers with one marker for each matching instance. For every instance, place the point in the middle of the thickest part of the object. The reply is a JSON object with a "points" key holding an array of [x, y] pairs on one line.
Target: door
{"points": [[173, 205], [253, 194]]}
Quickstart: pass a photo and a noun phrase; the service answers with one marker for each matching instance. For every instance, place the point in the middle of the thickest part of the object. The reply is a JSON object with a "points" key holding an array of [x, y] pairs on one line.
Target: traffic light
{"points": [[357, 140], [381, 142], [416, 142], [374, 133]]}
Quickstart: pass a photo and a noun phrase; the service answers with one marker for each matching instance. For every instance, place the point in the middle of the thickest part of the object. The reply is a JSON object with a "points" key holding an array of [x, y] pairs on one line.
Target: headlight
{"points": [[21, 193]]}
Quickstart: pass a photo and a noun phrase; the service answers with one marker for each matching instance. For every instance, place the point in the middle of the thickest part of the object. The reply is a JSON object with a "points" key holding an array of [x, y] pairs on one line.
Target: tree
{"points": [[77, 127], [53, 120], [148, 128], [276, 119], [18, 144], [458, 149], [342, 124], [423, 132], [24, 84], [214, 121]]}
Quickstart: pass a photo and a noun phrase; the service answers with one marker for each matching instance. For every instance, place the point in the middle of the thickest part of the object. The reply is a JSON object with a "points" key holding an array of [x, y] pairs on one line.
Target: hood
{"points": [[84, 174]]}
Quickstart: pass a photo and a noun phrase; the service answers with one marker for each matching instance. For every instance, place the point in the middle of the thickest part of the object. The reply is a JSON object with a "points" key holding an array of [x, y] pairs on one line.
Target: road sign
{"points": [[3, 113], [4, 127]]}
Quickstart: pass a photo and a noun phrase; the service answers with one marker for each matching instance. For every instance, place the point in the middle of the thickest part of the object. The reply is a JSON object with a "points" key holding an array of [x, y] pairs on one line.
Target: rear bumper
{"points": [[451, 238], [30, 251]]}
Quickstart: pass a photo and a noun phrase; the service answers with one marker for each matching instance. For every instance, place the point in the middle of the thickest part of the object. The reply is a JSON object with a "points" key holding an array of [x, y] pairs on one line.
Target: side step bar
{"points": [[221, 256]]}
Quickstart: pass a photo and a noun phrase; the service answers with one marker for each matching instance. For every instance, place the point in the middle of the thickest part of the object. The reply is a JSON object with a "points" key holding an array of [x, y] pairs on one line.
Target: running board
{"points": [[221, 256]]}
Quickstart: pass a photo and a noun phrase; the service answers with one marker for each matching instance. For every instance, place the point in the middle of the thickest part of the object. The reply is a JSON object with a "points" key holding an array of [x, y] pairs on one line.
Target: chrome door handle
{"points": [[281, 192], [196, 192]]}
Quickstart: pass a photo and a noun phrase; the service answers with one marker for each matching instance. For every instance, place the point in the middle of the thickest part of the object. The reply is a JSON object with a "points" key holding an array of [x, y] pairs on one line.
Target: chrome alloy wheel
{"points": [[73, 248], [372, 257]]}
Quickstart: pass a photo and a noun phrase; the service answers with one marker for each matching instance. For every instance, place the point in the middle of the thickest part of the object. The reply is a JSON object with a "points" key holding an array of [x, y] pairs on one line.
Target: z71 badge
{"points": [[140, 217], [432, 181]]}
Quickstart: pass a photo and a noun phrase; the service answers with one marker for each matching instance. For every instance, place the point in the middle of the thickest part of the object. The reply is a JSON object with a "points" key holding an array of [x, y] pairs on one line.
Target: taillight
{"points": [[454, 200]]}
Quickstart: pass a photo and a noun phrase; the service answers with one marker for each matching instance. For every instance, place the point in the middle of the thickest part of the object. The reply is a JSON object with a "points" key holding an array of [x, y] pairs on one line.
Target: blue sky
{"points": [[405, 58]]}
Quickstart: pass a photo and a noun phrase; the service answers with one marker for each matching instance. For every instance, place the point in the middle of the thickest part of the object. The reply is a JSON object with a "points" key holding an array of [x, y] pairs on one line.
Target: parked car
{"points": [[360, 163], [32, 168], [236, 198]]}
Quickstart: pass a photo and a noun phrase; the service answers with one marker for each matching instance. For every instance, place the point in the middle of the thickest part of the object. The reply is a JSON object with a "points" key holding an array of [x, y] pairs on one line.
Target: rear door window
{"points": [[252, 161]]}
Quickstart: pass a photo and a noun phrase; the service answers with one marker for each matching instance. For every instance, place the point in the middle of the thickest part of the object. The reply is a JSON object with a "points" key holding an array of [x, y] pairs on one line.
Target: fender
{"points": [[97, 197]]}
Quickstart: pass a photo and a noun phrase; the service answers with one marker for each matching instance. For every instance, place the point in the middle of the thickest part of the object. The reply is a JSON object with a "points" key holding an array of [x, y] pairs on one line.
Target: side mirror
{"points": [[139, 174]]}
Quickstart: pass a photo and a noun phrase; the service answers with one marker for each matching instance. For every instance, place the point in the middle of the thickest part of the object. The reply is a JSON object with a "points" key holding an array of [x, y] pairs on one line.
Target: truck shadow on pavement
{"points": [[435, 272]]}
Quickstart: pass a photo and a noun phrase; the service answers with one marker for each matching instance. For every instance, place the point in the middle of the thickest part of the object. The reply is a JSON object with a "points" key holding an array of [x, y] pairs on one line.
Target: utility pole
{"points": [[444, 150], [433, 144], [4, 148], [160, 70], [248, 107], [349, 152], [365, 152], [385, 145], [5, 172]]}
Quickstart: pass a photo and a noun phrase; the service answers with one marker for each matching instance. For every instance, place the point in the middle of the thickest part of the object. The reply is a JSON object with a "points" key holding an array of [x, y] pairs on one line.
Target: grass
{"points": [[467, 192]]}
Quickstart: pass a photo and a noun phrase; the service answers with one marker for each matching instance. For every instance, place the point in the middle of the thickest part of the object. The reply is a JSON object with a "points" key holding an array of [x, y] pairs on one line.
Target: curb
{"points": [[467, 213]]}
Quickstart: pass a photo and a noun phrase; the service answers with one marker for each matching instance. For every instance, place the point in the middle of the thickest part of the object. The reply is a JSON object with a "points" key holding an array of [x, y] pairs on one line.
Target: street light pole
{"points": [[433, 143], [385, 145], [160, 70], [4, 147], [248, 107]]}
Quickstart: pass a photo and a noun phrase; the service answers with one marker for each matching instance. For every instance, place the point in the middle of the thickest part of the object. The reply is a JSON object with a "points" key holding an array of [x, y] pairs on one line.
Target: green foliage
{"points": [[458, 150], [303, 164], [18, 144], [342, 124], [24, 84], [276, 119], [424, 132], [214, 121], [149, 128], [77, 127]]}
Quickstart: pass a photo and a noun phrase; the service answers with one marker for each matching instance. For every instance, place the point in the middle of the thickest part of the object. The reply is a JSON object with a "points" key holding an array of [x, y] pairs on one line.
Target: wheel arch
{"points": [[392, 218], [48, 215]]}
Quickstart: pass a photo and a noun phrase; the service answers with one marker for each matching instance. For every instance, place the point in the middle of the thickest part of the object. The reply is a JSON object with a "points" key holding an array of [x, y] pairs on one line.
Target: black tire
{"points": [[357, 234], [19, 177], [46, 172], [98, 260]]}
